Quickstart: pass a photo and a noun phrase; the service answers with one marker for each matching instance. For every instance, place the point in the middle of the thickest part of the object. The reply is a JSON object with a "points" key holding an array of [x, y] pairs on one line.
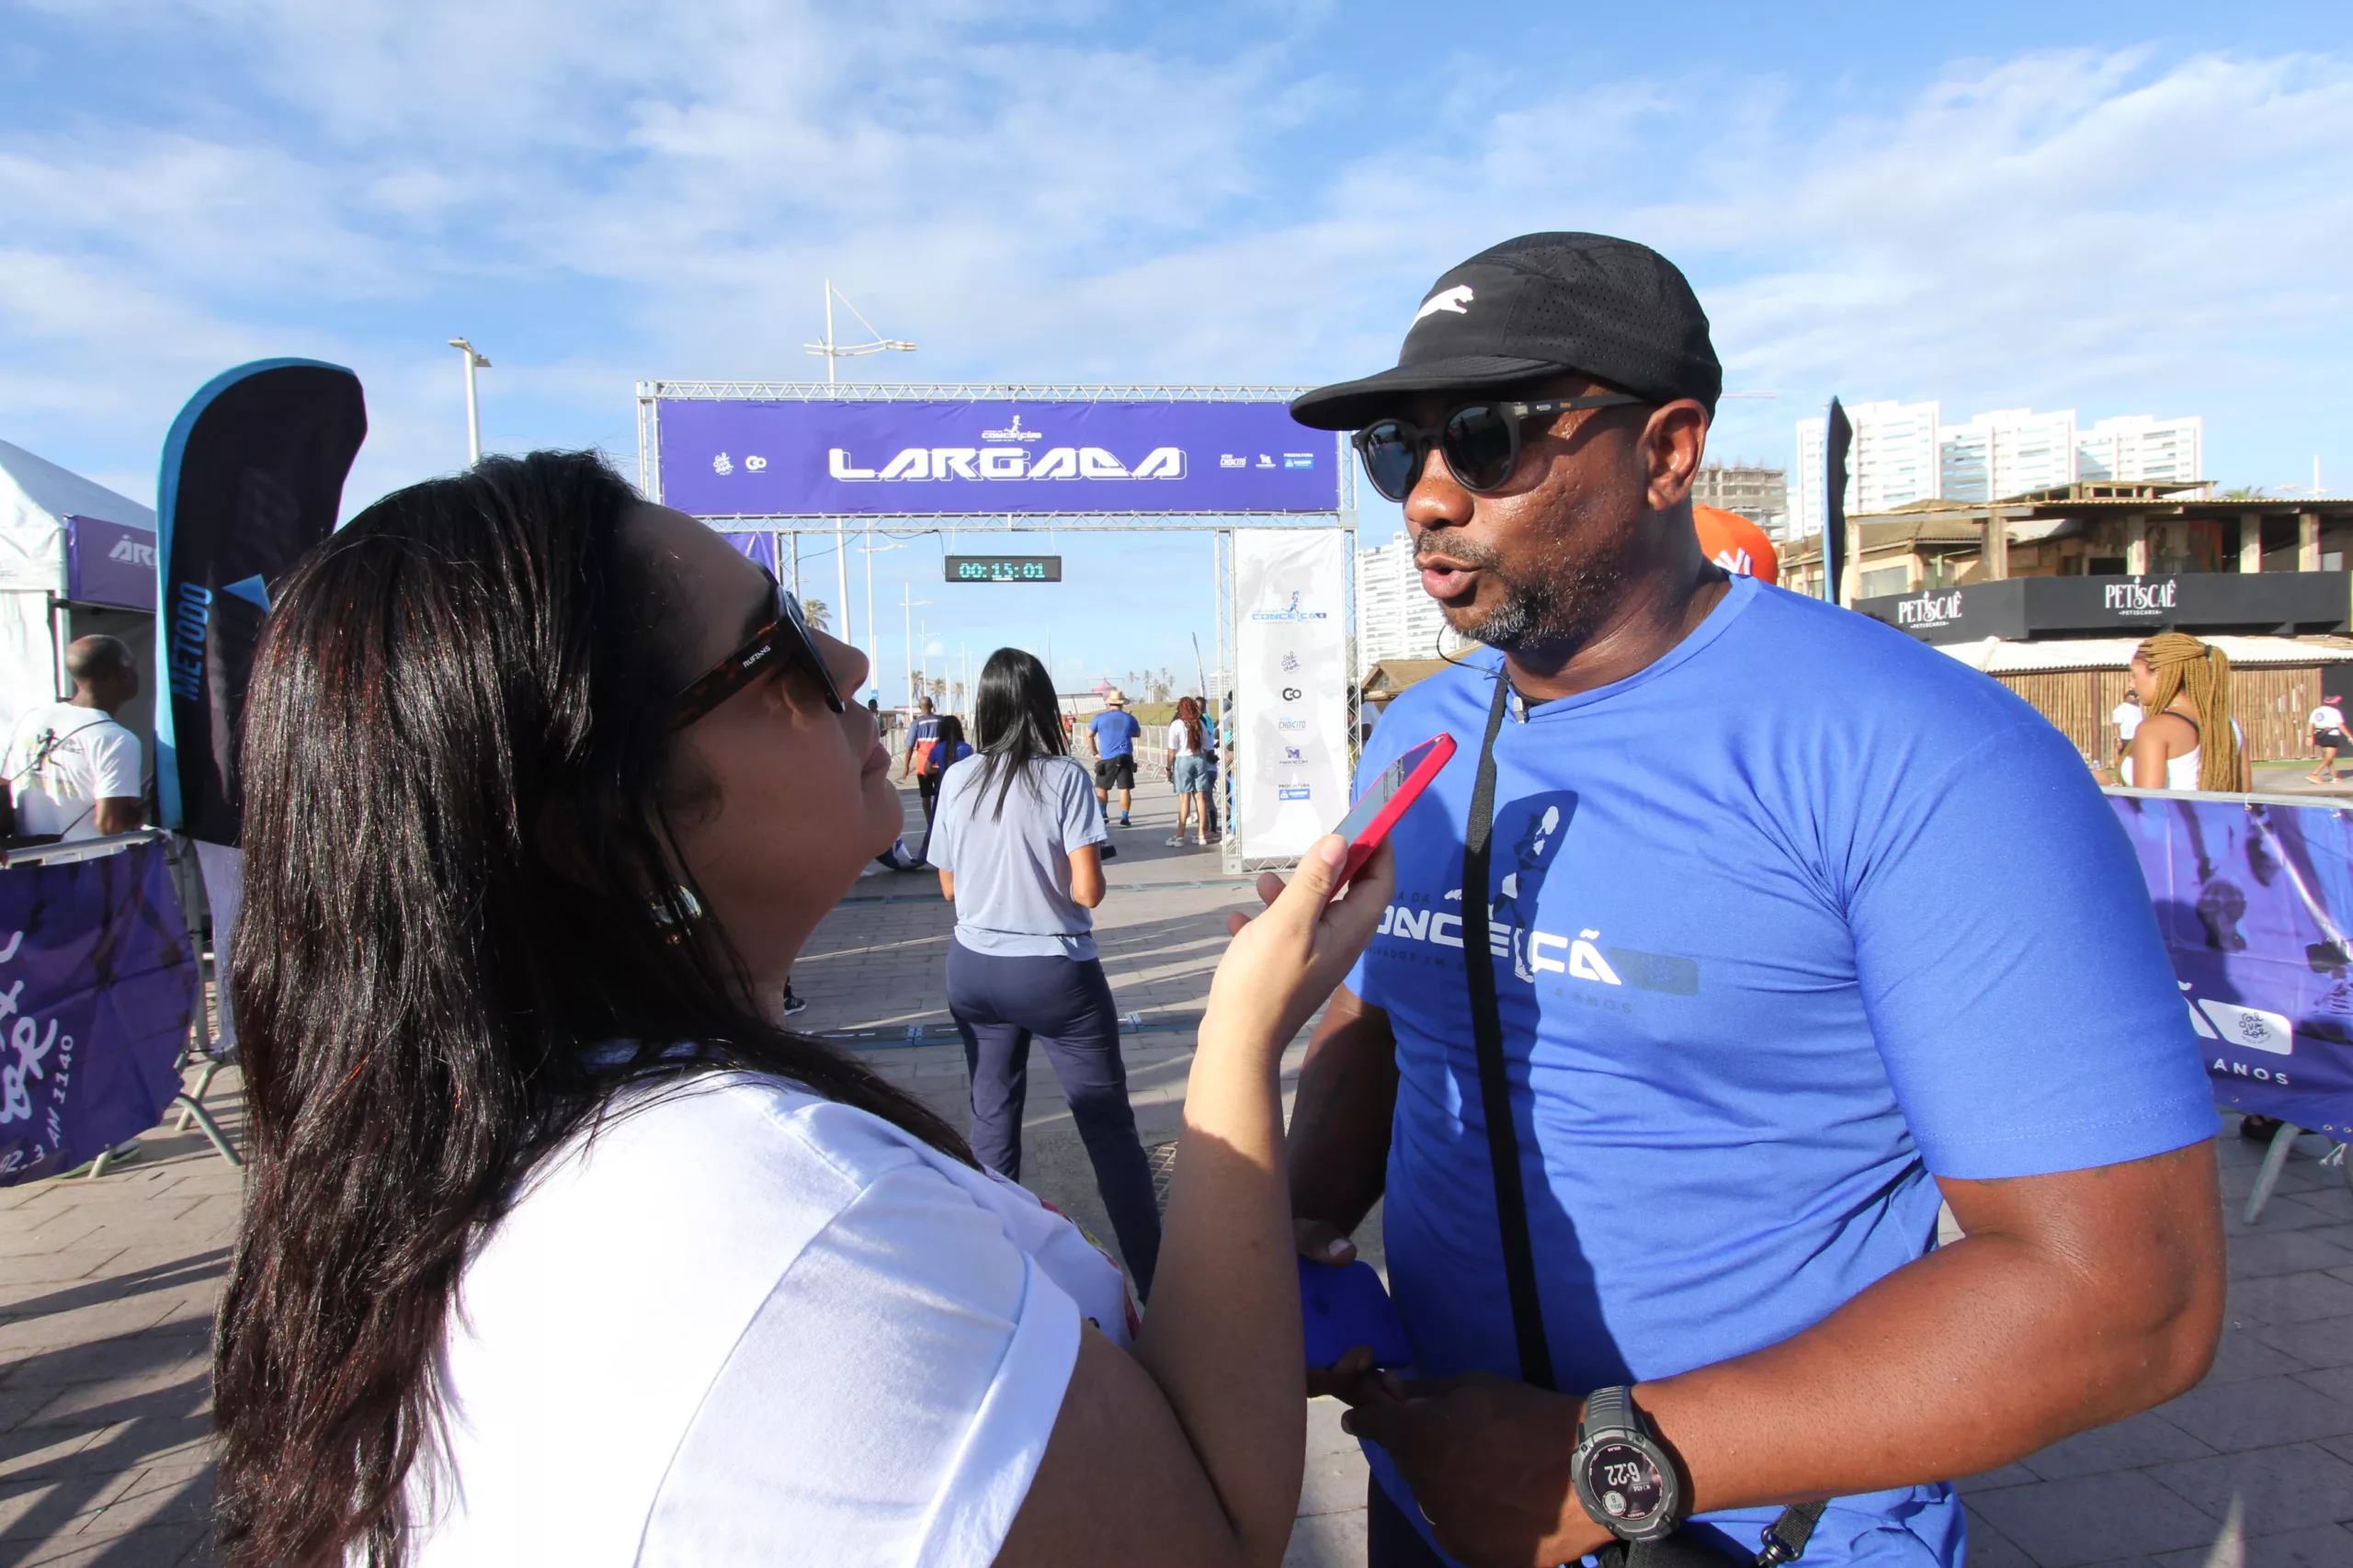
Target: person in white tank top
{"points": [[2184, 687]]}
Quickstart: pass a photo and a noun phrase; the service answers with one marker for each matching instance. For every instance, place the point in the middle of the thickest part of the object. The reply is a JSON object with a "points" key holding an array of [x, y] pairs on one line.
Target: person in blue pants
{"points": [[1017, 842]]}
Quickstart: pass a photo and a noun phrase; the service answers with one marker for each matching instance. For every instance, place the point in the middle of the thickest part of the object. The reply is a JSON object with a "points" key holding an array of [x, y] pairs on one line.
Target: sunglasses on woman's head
{"points": [[1480, 441], [787, 637]]}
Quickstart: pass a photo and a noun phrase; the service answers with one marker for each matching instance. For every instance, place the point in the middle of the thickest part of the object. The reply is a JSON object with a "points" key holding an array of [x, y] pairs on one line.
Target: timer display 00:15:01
{"points": [[1005, 568]]}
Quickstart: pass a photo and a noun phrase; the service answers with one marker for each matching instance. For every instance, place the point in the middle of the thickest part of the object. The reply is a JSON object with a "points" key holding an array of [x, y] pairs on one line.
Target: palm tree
{"points": [[817, 613]]}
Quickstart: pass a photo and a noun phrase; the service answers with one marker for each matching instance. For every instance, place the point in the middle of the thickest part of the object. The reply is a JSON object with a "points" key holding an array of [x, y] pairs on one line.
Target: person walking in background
{"points": [[1112, 734], [1018, 846], [73, 771], [916, 759], [1189, 772], [945, 749], [2328, 738], [2189, 740]]}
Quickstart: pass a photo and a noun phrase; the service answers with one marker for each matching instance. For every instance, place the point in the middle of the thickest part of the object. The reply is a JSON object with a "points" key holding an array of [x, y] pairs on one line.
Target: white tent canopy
{"points": [[36, 497]]}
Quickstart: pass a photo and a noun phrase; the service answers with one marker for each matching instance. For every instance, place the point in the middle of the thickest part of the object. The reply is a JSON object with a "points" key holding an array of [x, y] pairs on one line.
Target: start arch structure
{"points": [[994, 465]]}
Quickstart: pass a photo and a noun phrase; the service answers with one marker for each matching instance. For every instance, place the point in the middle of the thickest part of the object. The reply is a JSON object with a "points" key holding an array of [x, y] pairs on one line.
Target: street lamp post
{"points": [[908, 602], [832, 350], [475, 361]]}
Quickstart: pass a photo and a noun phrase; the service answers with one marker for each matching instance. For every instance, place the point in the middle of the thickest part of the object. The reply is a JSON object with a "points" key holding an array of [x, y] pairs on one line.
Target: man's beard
{"points": [[1567, 606]]}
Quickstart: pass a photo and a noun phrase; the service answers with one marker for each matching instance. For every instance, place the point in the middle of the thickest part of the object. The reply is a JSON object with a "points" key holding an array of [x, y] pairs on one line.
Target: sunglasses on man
{"points": [[1480, 441], [786, 637]]}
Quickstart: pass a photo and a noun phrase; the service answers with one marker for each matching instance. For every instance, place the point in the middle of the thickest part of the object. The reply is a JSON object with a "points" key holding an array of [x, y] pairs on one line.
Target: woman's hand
{"points": [[1284, 963]]}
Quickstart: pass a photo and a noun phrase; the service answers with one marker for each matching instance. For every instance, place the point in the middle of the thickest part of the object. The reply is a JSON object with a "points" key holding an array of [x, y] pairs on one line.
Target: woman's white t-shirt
{"points": [[1180, 741], [742, 1323]]}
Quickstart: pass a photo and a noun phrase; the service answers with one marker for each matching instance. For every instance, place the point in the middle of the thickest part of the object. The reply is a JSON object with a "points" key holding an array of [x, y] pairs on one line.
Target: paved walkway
{"points": [[106, 1290]]}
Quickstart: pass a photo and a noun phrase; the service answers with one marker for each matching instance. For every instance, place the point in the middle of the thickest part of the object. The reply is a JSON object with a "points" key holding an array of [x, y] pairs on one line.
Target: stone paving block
{"points": [[2260, 1412], [2242, 1353], [2279, 1489], [2137, 1440], [2289, 1297], [169, 1546], [2285, 1252], [2330, 1546], [2323, 1342], [1989, 1548], [2094, 1519]]}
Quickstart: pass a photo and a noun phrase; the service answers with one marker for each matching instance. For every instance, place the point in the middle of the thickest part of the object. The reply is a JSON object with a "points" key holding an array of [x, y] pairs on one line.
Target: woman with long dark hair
{"points": [[1018, 845], [558, 1247], [1189, 772]]}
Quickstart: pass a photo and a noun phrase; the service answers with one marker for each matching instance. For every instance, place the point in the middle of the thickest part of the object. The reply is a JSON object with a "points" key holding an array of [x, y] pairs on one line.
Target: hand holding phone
{"points": [[1386, 800]]}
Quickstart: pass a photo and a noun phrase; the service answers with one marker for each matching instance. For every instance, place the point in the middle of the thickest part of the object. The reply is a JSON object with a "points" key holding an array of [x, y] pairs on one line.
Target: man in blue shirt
{"points": [[1760, 926], [1112, 734]]}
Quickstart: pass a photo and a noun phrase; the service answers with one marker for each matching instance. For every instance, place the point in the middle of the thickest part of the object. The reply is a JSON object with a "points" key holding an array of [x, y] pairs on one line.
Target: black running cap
{"points": [[1536, 306]]}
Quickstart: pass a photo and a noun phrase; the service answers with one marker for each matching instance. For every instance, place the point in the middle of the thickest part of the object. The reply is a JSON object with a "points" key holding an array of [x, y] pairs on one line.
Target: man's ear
{"points": [[1674, 441]]}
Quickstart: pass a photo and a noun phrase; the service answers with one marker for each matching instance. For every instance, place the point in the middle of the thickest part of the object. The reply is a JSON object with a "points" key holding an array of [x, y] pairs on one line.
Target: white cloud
{"points": [[602, 189]]}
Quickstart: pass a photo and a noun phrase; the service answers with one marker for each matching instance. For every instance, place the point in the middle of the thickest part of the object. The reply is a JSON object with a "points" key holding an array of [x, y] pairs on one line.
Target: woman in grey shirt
{"points": [[1018, 843]]}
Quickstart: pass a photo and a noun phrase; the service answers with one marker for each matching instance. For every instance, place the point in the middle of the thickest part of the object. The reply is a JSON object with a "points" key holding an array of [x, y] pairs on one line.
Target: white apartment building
{"points": [[2136, 447], [2007, 452], [1892, 461], [1902, 452], [1394, 619]]}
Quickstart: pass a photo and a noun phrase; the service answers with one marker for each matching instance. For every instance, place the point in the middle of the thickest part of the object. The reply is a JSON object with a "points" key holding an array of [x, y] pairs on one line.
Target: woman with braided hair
{"points": [[2184, 689]]}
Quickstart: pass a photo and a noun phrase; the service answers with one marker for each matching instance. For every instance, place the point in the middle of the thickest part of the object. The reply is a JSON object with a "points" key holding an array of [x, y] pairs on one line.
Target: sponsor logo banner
{"points": [[1290, 764], [725, 459], [100, 986], [2254, 902]]}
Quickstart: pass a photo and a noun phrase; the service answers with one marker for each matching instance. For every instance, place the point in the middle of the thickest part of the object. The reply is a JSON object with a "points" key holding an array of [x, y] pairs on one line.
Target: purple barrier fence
{"points": [[97, 989], [2254, 899]]}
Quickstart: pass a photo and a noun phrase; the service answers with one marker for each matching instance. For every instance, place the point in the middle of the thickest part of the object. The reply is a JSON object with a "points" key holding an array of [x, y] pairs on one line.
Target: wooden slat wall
{"points": [[2271, 700]]}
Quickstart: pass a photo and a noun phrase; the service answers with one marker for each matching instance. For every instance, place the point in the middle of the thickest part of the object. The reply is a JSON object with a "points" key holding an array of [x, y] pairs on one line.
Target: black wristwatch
{"points": [[1624, 1477]]}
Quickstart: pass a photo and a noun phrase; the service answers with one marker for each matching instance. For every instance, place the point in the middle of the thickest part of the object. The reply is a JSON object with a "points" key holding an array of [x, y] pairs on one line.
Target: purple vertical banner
{"points": [[100, 985], [2254, 900]]}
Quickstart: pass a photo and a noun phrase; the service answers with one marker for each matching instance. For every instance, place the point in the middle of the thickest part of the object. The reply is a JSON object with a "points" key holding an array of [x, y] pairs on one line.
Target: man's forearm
{"points": [[1968, 1359], [1339, 1144], [2074, 1299]]}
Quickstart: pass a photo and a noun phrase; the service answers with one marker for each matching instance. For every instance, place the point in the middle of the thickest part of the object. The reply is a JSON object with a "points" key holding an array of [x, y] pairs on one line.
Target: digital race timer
{"points": [[1005, 568]]}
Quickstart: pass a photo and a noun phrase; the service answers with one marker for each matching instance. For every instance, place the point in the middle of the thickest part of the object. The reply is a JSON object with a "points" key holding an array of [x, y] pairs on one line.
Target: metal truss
{"points": [[953, 391]]}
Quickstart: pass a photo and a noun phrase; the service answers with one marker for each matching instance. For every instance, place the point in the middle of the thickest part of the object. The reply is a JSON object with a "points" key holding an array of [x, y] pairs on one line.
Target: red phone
{"points": [[1377, 810]]}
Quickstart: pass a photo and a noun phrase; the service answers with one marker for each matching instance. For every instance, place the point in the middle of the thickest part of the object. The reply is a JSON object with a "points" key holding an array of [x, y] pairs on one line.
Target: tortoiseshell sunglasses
{"points": [[788, 634]]}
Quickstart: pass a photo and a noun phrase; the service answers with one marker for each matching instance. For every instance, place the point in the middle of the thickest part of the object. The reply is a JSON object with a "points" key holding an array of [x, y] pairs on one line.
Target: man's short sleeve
{"points": [[888, 1404], [114, 762], [1082, 817], [2012, 968]]}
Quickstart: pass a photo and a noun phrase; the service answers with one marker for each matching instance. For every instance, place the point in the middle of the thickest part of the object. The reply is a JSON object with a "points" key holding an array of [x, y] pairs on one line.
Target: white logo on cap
{"points": [[1457, 299]]}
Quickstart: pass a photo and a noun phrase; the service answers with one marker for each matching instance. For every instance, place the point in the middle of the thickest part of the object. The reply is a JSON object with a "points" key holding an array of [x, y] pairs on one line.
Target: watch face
{"points": [[1626, 1483]]}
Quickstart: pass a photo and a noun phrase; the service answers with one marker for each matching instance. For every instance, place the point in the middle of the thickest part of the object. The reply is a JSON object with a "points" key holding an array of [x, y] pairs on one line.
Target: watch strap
{"points": [[1612, 1410]]}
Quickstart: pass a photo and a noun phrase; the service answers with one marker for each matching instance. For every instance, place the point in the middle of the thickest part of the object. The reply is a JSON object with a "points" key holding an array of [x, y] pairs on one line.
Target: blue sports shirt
{"points": [[1115, 732], [1798, 917]]}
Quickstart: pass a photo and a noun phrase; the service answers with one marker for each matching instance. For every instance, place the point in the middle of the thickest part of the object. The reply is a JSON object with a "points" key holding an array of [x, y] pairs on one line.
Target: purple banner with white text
{"points": [[991, 458], [97, 989], [109, 563], [2254, 900]]}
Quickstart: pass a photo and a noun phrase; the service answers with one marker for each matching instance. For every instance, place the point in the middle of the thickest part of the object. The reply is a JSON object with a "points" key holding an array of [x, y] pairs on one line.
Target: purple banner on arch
{"points": [[736, 459], [97, 989], [2255, 901]]}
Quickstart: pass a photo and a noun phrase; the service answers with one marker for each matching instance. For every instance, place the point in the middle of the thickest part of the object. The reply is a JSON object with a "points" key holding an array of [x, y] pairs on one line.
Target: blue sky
{"points": [[2120, 209]]}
